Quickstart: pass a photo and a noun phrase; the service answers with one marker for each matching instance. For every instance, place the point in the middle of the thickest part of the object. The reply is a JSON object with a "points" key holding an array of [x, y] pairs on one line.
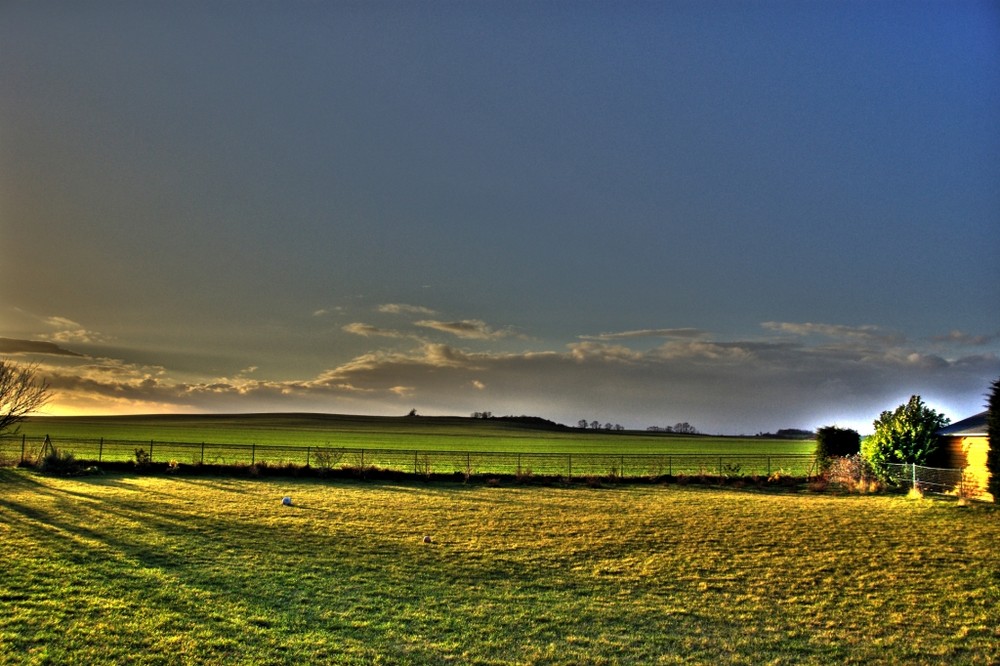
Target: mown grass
{"points": [[153, 570], [420, 433]]}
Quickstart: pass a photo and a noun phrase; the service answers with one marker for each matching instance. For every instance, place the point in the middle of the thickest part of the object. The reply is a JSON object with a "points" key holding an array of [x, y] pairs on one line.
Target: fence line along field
{"points": [[151, 570]]}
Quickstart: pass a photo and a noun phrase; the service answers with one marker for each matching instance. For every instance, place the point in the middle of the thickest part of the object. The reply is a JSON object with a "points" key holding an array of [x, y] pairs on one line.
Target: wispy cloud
{"points": [[69, 331], [401, 308], [368, 331], [868, 332], [966, 339], [469, 329], [649, 333]]}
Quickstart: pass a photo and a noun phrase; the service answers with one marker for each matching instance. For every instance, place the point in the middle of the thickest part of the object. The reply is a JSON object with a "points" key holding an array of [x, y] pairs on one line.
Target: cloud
{"points": [[367, 330], [868, 333], [400, 308], [649, 333], [966, 339], [14, 346], [736, 386], [70, 331], [468, 329]]}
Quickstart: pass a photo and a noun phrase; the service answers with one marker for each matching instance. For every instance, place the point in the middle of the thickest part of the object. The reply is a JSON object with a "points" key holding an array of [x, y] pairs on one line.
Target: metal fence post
{"points": [[913, 470]]}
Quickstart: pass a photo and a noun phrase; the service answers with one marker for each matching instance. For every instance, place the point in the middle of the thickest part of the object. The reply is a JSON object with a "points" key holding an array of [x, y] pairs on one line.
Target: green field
{"points": [[155, 570], [421, 445], [409, 433]]}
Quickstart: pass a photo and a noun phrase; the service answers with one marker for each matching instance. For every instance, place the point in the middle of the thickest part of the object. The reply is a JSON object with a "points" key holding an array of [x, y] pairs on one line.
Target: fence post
{"points": [[913, 470], [570, 459], [150, 450], [203, 453], [362, 461], [621, 470], [253, 453], [100, 450], [22, 447], [519, 464]]}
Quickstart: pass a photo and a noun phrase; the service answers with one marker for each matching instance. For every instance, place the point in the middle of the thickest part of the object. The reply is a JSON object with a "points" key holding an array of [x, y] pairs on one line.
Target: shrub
{"points": [[832, 441], [853, 474], [59, 463], [327, 459], [141, 459]]}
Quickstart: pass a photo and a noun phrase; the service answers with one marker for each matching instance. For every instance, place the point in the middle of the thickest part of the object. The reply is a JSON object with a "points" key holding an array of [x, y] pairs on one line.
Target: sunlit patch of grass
{"points": [[120, 569]]}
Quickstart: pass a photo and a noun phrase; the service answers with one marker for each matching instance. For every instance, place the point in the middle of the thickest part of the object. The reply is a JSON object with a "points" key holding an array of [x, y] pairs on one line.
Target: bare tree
{"points": [[21, 392]]}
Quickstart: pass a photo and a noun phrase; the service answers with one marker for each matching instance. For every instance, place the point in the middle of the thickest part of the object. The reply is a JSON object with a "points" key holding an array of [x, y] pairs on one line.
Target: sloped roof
{"points": [[970, 427]]}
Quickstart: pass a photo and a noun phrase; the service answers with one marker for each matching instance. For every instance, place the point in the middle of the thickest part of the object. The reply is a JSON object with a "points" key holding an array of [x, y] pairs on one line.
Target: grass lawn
{"points": [[156, 570]]}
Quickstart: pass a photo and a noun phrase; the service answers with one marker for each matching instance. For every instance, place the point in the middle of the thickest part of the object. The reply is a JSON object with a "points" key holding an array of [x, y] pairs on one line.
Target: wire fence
{"points": [[420, 462], [934, 479]]}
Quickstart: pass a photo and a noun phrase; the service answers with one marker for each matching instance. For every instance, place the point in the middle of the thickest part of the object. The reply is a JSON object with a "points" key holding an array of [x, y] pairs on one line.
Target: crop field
{"points": [[172, 570], [407, 433], [421, 446]]}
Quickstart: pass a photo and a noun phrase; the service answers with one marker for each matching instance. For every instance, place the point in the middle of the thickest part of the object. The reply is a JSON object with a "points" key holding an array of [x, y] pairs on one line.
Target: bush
{"points": [[853, 474], [59, 463], [832, 441]]}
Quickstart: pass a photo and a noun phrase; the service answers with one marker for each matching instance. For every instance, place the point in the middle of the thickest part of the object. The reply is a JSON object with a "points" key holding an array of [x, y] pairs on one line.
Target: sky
{"points": [[744, 215]]}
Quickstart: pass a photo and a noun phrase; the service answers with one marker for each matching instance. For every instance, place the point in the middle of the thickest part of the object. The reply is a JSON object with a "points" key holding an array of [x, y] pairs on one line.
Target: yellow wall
{"points": [[969, 454]]}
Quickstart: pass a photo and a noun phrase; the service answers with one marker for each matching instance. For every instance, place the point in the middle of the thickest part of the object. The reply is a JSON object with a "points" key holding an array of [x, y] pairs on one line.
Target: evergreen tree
{"points": [[993, 432]]}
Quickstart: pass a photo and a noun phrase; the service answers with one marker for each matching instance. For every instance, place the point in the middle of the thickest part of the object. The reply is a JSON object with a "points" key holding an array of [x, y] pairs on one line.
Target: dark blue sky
{"points": [[745, 215]]}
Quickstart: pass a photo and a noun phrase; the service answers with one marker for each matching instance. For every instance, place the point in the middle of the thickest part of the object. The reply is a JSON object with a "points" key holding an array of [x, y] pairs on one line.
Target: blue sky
{"points": [[744, 215]]}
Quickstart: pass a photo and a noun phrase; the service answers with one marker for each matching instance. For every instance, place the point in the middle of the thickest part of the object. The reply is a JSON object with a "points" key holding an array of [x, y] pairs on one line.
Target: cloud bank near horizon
{"points": [[800, 375]]}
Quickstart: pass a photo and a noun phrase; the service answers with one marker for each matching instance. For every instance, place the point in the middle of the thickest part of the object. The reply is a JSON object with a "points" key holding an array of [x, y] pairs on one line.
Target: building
{"points": [[966, 443]]}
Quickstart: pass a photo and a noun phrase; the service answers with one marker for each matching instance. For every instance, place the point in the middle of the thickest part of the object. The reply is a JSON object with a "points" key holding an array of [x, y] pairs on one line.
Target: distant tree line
{"points": [[536, 421], [684, 428], [788, 433], [583, 424]]}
